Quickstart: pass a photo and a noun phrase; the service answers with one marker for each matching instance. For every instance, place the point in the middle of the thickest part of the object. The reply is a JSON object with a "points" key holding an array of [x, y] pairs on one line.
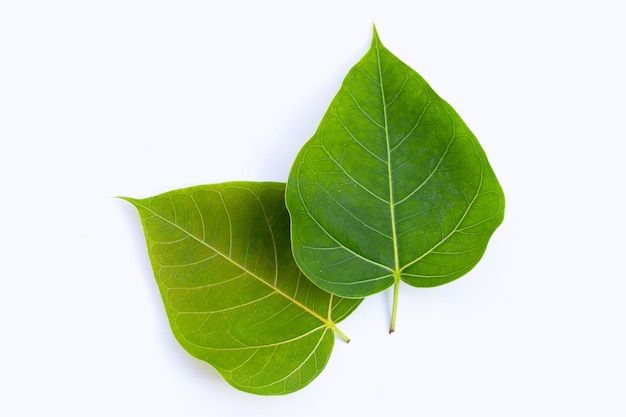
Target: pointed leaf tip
{"points": [[131, 200], [375, 37]]}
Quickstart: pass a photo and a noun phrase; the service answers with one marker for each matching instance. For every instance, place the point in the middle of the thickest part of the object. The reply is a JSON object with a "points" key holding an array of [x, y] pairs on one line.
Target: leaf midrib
{"points": [[392, 205], [398, 270]]}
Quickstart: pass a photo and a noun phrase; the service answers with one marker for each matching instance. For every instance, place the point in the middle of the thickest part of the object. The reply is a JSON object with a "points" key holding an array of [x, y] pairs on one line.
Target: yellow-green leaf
{"points": [[233, 294]]}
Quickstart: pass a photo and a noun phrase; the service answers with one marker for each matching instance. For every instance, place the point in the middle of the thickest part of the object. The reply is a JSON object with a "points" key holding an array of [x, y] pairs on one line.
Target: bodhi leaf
{"points": [[393, 186], [233, 294]]}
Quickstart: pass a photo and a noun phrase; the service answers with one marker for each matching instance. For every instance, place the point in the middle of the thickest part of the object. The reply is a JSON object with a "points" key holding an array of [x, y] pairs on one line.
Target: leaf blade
{"points": [[232, 292], [392, 186]]}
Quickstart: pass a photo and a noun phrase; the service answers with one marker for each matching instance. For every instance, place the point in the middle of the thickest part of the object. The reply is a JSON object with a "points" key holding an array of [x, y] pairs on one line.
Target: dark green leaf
{"points": [[232, 292], [393, 186]]}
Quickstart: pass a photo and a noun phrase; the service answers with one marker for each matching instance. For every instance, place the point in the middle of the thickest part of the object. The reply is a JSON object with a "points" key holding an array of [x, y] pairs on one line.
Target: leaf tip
{"points": [[121, 197], [375, 37], [129, 199]]}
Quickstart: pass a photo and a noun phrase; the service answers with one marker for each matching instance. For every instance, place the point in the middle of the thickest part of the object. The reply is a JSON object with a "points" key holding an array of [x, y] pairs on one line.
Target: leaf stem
{"points": [[338, 332], [394, 308]]}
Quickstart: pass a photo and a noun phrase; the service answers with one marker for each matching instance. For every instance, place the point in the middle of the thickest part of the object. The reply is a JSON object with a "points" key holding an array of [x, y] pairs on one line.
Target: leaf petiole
{"points": [[331, 325], [394, 308]]}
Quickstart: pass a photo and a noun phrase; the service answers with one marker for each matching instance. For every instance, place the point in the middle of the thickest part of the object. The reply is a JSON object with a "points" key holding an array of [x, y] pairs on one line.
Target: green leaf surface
{"points": [[233, 293], [393, 186]]}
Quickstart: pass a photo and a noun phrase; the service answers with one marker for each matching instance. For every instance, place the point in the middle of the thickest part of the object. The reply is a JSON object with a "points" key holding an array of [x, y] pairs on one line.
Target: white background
{"points": [[135, 98]]}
